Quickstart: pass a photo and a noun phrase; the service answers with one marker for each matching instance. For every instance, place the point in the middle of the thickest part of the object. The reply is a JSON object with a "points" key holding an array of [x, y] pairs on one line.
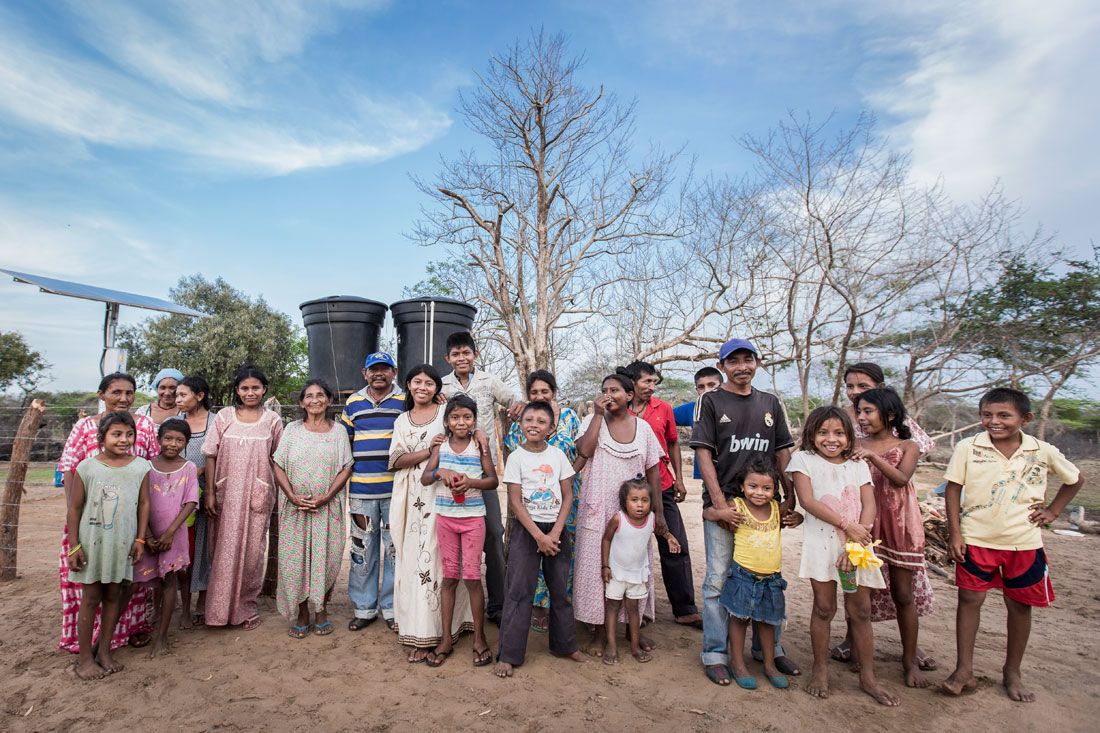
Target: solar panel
{"points": [[90, 292]]}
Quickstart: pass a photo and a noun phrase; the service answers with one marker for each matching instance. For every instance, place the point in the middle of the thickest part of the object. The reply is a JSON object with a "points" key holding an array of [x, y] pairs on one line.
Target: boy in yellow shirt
{"points": [[994, 533]]}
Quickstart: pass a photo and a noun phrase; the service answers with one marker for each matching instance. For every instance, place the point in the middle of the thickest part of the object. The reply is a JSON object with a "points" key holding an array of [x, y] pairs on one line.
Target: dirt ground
{"points": [[229, 679]]}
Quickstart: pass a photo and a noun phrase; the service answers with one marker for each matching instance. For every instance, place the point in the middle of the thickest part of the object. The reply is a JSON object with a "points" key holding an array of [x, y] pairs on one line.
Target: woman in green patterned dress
{"points": [[312, 466]]}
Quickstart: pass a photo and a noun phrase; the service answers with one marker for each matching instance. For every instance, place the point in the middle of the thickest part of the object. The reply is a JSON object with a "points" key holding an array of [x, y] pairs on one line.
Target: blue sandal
{"points": [[298, 632], [323, 629], [745, 683], [779, 682]]}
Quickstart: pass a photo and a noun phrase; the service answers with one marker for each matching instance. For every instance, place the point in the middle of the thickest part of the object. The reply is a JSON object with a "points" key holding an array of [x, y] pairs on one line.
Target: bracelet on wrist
{"points": [[76, 549], [843, 524], [138, 539], [605, 567]]}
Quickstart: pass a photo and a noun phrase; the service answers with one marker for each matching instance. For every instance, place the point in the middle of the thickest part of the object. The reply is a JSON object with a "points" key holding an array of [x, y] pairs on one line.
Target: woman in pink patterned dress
{"points": [[238, 448], [117, 392], [617, 446], [858, 378]]}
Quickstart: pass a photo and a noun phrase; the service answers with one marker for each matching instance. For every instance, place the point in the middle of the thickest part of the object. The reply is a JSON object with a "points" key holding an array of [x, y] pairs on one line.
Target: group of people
{"points": [[181, 498]]}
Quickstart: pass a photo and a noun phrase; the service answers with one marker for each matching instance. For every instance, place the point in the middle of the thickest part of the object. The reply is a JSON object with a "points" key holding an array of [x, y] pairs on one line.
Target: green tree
{"points": [[20, 366], [238, 330]]}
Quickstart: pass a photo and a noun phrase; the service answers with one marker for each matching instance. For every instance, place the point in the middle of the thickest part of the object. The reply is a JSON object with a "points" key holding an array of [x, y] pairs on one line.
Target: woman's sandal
{"points": [[298, 632], [483, 657], [253, 623], [541, 625], [391, 623], [927, 663], [779, 681], [323, 629], [436, 659], [141, 639], [199, 619], [718, 674]]}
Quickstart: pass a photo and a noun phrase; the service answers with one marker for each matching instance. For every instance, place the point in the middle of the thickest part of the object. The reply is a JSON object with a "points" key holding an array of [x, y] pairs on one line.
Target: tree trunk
{"points": [[14, 488]]}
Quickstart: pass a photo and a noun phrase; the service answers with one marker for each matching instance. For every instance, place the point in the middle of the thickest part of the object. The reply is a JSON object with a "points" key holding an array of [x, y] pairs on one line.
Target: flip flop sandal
{"points": [[418, 661], [199, 619], [540, 626], [927, 663], [359, 623], [298, 632], [718, 674], [253, 623], [779, 682], [436, 659], [391, 624], [840, 655], [323, 629], [483, 657]]}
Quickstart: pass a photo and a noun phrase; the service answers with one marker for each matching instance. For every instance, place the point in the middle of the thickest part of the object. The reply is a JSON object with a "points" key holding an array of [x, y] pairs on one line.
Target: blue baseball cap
{"points": [[736, 345], [379, 357]]}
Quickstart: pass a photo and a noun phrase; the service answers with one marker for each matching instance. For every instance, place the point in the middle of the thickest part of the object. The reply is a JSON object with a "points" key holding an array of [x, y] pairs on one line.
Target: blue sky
{"points": [[273, 143]]}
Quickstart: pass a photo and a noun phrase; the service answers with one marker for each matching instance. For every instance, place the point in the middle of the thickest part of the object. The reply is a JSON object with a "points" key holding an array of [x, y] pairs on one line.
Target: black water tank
{"points": [[423, 325], [342, 330]]}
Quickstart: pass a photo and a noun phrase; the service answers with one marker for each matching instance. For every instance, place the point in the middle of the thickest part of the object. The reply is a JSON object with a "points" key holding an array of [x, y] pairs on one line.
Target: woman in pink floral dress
{"points": [[117, 392], [238, 448], [617, 446]]}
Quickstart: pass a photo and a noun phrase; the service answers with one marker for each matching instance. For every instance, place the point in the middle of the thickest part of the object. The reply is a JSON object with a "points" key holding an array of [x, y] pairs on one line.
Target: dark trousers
{"points": [[494, 555], [519, 594], [676, 567]]}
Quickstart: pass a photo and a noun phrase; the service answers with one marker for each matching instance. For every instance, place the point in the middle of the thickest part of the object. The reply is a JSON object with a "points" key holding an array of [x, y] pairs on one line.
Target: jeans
{"points": [[718, 545], [494, 555], [366, 545]]}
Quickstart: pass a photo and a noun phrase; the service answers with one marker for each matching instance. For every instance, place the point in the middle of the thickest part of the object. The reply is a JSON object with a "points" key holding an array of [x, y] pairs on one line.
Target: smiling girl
{"points": [[238, 450], [839, 500]]}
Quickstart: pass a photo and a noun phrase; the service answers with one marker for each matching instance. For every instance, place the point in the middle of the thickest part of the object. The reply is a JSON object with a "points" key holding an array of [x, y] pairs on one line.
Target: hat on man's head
{"points": [[379, 357], [736, 345]]}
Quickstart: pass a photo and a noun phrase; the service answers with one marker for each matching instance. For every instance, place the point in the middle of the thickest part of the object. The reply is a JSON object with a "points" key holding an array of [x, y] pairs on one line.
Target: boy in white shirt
{"points": [[540, 493]]}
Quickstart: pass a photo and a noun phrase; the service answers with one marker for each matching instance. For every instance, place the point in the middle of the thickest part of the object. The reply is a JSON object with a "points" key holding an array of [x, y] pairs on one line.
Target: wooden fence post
{"points": [[14, 490]]}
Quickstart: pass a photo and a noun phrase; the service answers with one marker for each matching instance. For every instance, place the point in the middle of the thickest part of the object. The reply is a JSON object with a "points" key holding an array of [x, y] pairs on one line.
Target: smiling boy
{"points": [[996, 506]]}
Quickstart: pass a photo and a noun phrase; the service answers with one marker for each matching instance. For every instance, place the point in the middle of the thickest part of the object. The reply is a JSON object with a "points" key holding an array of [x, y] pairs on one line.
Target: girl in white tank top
{"points": [[626, 544]]}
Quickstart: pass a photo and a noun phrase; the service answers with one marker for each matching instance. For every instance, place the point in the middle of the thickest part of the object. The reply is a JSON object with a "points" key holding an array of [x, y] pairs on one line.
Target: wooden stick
{"points": [[14, 489]]}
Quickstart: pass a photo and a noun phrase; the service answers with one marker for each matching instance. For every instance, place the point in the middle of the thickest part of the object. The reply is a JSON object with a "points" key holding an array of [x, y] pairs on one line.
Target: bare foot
{"points": [[642, 655], [958, 683], [186, 621], [611, 656], [503, 669], [818, 686], [160, 646], [418, 655], [645, 643], [596, 645], [915, 678], [1014, 686], [89, 670], [874, 689], [575, 656], [108, 663]]}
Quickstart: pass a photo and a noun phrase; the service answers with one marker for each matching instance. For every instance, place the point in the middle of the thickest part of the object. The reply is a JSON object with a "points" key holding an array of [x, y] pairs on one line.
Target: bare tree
{"points": [[556, 195]]}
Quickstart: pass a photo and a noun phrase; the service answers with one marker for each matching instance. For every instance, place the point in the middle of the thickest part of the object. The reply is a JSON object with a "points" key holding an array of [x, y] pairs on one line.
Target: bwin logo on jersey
{"points": [[755, 443]]}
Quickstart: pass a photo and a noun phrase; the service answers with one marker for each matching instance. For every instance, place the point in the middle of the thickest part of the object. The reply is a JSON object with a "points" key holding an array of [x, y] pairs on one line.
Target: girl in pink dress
{"points": [[892, 458], [117, 393], [173, 496], [238, 448], [617, 447]]}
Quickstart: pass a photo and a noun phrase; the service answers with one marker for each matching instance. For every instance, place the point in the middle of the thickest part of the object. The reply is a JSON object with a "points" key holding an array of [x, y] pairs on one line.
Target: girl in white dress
{"points": [[839, 500]]}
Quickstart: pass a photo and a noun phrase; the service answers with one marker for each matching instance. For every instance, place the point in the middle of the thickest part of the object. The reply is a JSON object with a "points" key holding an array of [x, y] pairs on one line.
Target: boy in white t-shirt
{"points": [[540, 492]]}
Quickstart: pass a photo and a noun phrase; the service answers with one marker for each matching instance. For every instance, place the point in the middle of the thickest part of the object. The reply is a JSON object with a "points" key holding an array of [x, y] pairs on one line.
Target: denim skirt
{"points": [[749, 596]]}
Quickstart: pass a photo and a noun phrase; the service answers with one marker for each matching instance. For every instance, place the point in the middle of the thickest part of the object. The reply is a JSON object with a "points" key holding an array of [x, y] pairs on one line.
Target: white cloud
{"points": [[193, 80], [1001, 90]]}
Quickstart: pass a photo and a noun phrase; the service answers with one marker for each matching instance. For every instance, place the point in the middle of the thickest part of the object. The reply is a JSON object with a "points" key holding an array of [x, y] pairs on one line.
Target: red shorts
{"points": [[1023, 574]]}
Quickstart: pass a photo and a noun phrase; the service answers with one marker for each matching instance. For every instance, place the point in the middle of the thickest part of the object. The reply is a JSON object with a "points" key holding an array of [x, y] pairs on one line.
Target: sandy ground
{"points": [[229, 679]]}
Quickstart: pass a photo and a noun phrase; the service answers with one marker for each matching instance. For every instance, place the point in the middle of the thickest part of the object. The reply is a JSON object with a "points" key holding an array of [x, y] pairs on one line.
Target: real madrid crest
{"points": [[768, 419]]}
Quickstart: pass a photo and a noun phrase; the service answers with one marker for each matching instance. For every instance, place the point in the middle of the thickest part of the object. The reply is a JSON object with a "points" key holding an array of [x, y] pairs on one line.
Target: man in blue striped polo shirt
{"points": [[369, 416]]}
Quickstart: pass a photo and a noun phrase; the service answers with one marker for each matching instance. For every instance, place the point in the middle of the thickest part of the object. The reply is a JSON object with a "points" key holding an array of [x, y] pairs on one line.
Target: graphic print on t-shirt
{"points": [[542, 498]]}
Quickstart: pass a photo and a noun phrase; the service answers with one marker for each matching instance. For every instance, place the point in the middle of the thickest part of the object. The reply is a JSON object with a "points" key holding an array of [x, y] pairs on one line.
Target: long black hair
{"points": [[247, 372], [198, 385], [891, 409], [427, 370]]}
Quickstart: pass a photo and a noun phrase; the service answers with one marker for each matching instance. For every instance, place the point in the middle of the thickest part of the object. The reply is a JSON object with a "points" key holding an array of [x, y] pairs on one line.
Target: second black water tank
{"points": [[342, 330], [423, 325]]}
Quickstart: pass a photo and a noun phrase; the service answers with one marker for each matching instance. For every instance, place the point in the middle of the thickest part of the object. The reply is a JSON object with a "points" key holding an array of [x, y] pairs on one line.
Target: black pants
{"points": [[519, 594], [676, 567], [494, 555]]}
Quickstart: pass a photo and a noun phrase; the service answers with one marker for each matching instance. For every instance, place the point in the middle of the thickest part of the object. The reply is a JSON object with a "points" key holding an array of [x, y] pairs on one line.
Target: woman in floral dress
{"points": [[312, 465], [117, 393], [417, 567], [618, 446]]}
